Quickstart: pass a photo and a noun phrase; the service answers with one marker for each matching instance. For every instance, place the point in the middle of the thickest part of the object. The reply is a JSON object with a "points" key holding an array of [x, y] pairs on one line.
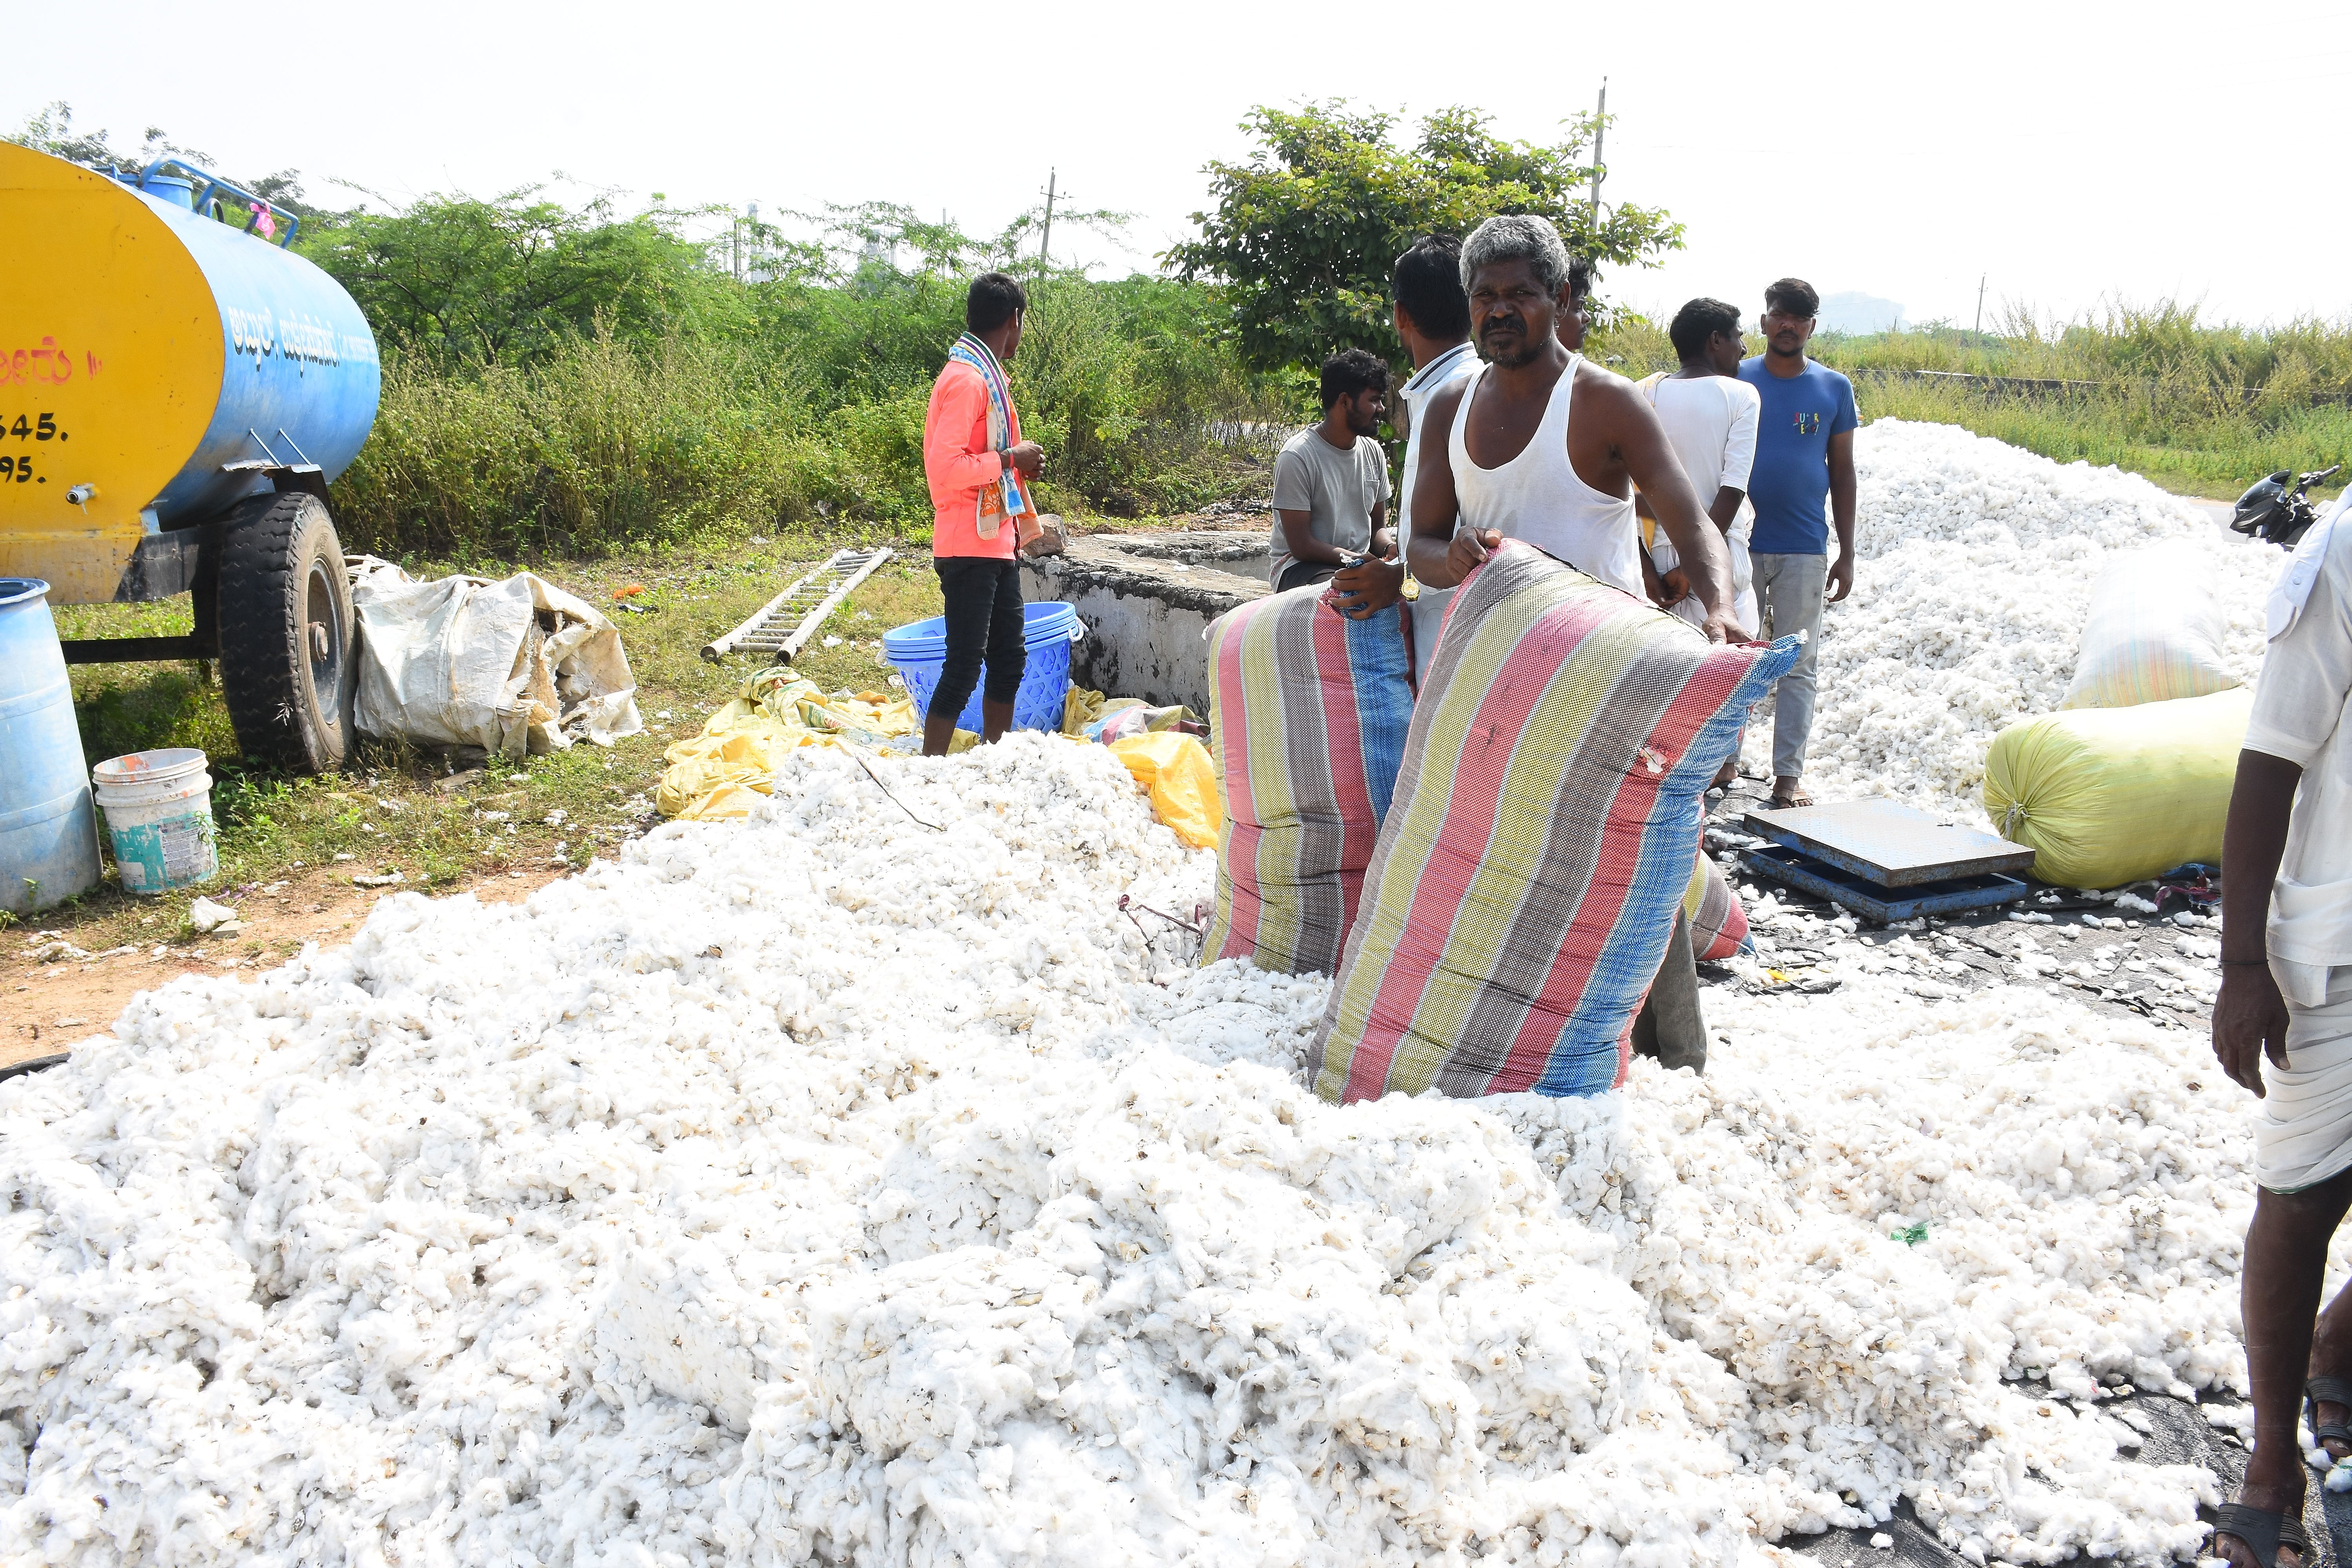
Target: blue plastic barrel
{"points": [[920, 652], [49, 834]]}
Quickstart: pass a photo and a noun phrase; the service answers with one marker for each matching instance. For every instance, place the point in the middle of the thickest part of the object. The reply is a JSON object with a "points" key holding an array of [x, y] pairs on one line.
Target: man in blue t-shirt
{"points": [[1804, 450]]}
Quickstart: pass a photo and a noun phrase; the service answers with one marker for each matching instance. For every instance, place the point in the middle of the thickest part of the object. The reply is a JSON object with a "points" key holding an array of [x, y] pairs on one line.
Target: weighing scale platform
{"points": [[1888, 861]]}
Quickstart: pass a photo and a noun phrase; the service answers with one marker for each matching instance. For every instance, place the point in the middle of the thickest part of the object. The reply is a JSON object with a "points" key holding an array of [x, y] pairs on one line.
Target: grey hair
{"points": [[1517, 237]]}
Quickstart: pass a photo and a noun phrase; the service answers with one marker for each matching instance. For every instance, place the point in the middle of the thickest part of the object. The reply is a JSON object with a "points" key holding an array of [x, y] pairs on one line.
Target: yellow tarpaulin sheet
{"points": [[1182, 781], [731, 766], [726, 769]]}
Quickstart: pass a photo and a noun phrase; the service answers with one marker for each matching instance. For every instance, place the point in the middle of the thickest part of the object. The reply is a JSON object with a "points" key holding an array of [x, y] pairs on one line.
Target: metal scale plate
{"points": [[1887, 862]]}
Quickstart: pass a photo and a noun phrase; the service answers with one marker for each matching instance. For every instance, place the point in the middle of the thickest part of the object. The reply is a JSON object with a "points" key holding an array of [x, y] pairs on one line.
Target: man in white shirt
{"points": [[1432, 316], [1710, 417], [2287, 993]]}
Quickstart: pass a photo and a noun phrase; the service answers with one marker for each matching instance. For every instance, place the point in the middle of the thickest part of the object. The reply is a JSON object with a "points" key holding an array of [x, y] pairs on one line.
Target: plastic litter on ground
{"points": [[823, 1187], [1977, 564]]}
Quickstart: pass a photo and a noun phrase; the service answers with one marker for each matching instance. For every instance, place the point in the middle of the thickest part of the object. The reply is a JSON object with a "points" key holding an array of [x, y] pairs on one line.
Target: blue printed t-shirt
{"points": [[1791, 481]]}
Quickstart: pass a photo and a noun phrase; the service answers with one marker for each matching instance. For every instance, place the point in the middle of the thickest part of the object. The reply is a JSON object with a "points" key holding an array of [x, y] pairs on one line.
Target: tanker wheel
{"points": [[287, 635]]}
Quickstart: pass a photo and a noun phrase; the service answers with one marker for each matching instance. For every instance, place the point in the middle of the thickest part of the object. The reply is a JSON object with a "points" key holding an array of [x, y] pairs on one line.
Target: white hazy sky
{"points": [[2073, 153]]}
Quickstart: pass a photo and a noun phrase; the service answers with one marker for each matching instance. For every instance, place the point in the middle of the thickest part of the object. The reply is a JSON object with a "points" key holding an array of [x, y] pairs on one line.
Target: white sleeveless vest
{"points": [[1537, 496]]}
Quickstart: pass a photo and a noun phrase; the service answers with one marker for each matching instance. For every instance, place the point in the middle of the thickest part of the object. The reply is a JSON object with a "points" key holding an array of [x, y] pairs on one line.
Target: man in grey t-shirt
{"points": [[1331, 481]]}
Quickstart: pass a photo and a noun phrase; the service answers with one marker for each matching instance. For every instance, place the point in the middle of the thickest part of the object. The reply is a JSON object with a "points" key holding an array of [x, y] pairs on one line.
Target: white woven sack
{"points": [[2154, 633]]}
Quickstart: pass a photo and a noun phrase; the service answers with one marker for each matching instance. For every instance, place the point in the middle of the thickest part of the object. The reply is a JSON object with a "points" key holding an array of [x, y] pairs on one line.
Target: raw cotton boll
{"points": [[1974, 581], [829, 1187]]}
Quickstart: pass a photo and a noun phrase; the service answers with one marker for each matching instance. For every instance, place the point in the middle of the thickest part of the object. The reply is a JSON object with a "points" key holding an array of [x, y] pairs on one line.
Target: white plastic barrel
{"points": [[159, 812]]}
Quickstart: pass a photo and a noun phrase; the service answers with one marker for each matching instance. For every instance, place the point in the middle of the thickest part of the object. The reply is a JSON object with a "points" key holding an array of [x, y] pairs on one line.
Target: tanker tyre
{"points": [[289, 639]]}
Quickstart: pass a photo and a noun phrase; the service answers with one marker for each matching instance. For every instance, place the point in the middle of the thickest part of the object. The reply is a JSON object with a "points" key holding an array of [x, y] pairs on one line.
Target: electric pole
{"points": [[1045, 244], [1599, 131], [1979, 333]]}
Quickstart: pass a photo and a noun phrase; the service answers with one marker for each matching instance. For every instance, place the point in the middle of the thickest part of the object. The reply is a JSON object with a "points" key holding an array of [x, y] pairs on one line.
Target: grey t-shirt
{"points": [[1336, 490]]}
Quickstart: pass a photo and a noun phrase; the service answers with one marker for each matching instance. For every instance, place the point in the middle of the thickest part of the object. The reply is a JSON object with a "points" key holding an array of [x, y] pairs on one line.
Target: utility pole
{"points": [[1045, 244], [1979, 333], [1599, 131]]}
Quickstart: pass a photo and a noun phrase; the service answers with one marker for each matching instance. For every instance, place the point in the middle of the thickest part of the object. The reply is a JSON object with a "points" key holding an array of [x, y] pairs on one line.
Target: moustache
{"points": [[1502, 324]]}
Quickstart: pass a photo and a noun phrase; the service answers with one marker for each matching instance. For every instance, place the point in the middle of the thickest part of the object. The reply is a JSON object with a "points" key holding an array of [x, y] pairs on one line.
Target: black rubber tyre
{"points": [[288, 636]]}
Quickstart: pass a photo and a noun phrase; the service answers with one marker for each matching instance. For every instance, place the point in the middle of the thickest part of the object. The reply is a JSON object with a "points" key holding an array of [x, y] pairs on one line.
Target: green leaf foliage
{"points": [[504, 280], [1305, 233]]}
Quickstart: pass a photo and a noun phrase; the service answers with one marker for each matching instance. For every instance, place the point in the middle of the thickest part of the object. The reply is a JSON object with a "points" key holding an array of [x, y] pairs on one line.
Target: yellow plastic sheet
{"points": [[1175, 768], [724, 770]]}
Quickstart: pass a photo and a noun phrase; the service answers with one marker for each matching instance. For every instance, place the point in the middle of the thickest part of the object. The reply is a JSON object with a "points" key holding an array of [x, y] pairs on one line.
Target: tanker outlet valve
{"points": [[81, 495]]}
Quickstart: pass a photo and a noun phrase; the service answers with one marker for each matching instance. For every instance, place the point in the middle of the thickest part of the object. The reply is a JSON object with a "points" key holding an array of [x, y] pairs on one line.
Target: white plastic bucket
{"points": [[159, 812]]}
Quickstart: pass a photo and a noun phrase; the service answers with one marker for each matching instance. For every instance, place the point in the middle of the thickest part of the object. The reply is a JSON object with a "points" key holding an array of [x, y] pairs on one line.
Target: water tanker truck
{"points": [[176, 391]]}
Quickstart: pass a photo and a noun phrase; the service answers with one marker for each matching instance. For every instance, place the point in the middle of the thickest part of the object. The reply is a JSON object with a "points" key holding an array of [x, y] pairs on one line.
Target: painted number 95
{"points": [[21, 470]]}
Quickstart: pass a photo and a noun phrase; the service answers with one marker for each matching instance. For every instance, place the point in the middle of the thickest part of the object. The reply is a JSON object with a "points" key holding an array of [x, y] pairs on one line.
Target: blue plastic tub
{"points": [[920, 652]]}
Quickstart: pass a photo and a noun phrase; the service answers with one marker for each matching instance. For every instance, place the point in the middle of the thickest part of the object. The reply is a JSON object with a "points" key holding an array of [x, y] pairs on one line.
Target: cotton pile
{"points": [[1977, 562], [825, 1187]]}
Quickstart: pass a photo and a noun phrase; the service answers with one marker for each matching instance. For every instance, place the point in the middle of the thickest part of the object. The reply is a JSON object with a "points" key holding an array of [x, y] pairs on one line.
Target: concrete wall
{"points": [[1146, 600]]}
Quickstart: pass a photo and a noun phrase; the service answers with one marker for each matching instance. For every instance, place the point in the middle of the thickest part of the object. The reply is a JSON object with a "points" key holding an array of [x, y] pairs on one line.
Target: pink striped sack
{"points": [[1307, 717], [1718, 922], [1543, 834]]}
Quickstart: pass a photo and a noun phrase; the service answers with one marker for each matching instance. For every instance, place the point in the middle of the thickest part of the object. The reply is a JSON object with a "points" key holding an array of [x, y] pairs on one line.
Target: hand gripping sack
{"points": [[1542, 837], [2110, 795], [2154, 633], [1308, 716]]}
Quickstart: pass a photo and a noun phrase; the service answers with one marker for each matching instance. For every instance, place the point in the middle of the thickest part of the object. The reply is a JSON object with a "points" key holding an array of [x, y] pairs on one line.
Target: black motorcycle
{"points": [[2279, 512]]}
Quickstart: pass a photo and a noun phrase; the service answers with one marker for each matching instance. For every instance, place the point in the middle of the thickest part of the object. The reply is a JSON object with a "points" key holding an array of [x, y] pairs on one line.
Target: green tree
{"points": [[1305, 233], [504, 280]]}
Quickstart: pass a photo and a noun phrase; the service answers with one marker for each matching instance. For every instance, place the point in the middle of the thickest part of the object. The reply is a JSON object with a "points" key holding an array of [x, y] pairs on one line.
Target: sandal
{"points": [[2327, 1391], [2264, 1532]]}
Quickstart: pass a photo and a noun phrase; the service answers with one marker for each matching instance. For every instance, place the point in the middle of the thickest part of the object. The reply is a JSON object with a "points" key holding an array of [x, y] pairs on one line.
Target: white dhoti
{"points": [[2302, 1134]]}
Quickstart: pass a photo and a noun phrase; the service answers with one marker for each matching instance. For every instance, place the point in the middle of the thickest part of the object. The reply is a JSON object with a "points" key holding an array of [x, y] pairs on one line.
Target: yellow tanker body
{"points": [[175, 394]]}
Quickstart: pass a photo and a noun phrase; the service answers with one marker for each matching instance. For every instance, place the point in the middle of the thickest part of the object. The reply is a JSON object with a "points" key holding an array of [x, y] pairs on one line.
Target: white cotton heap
{"points": [[1977, 564], [827, 1188]]}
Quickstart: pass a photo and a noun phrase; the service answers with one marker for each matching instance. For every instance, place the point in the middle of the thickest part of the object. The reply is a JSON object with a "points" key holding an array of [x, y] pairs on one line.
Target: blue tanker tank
{"points": [[177, 390]]}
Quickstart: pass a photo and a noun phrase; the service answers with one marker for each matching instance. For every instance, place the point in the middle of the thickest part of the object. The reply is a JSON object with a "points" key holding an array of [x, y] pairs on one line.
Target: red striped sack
{"points": [[1718, 922], [1308, 716], [1546, 819]]}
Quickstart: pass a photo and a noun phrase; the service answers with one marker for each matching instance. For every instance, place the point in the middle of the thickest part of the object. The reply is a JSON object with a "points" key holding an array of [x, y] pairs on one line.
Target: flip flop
{"points": [[2329, 1391], [2264, 1532], [1790, 802]]}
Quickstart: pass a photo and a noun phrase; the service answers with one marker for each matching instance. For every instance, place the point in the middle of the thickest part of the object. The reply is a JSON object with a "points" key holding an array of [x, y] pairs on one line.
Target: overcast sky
{"points": [[2070, 154]]}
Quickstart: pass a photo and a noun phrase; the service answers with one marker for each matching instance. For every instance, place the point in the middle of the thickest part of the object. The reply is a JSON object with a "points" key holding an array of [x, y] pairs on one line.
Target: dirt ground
{"points": [[51, 1003]]}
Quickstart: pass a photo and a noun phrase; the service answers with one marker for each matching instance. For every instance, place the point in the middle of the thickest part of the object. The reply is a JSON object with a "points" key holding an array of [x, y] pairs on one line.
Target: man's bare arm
{"points": [[1841, 513], [1438, 556], [2250, 1017], [1641, 444], [1724, 510]]}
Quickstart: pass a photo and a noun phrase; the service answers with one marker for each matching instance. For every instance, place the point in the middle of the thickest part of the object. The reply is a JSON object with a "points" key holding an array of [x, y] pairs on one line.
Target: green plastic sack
{"points": [[2110, 795]]}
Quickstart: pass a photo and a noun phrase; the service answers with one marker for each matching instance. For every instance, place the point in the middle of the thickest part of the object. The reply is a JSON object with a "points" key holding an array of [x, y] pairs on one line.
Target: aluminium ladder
{"points": [[783, 626]]}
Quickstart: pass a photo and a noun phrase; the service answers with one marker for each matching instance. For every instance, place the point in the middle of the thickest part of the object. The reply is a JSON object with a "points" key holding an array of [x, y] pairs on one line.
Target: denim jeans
{"points": [[1788, 591]]}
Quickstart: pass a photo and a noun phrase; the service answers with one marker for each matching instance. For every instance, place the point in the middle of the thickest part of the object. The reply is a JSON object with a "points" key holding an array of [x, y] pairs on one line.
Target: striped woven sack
{"points": [[1545, 823], [1717, 920], [1308, 716]]}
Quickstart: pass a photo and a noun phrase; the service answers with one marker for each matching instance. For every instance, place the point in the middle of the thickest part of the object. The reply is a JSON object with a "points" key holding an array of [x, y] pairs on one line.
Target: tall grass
{"points": [[814, 416], [2203, 409]]}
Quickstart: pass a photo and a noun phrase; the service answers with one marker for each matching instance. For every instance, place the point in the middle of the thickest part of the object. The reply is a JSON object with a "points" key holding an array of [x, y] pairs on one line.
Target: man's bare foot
{"points": [[1726, 775], [1789, 792]]}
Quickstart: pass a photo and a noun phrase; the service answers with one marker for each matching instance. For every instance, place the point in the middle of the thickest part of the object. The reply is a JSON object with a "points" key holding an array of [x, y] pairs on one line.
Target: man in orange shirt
{"points": [[979, 469]]}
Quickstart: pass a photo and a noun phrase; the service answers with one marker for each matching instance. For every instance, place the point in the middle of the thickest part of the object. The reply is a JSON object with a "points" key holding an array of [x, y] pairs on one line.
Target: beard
{"points": [[1529, 346]]}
